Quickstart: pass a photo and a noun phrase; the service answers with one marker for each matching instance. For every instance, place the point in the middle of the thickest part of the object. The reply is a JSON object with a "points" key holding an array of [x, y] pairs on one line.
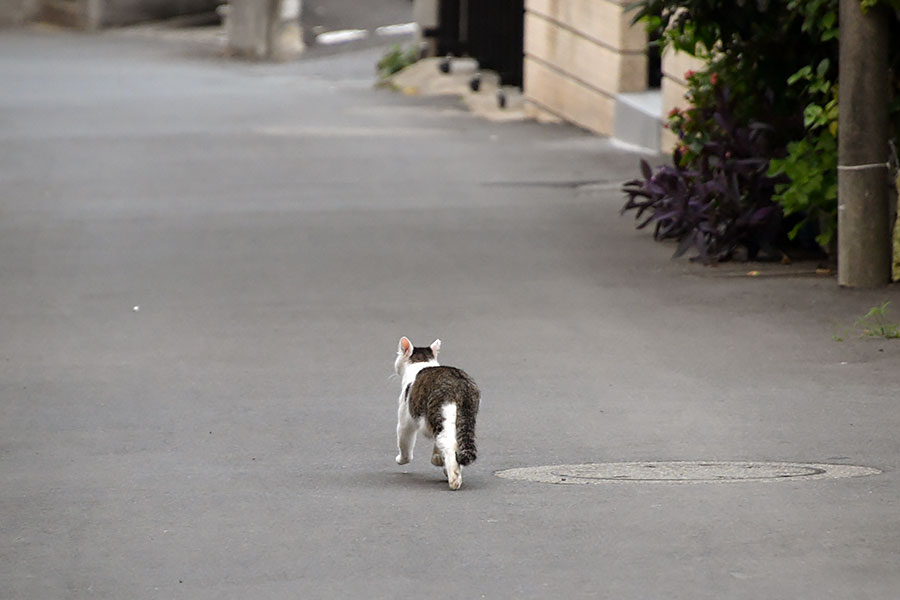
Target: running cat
{"points": [[442, 403]]}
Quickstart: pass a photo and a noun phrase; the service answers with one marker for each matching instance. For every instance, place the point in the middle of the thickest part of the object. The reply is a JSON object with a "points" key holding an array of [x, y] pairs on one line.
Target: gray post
{"points": [[864, 244], [264, 29], [285, 36], [93, 15]]}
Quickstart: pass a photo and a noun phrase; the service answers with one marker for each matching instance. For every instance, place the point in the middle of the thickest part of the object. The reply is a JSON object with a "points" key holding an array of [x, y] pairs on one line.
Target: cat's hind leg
{"points": [[452, 470], [446, 443], [406, 436], [437, 459]]}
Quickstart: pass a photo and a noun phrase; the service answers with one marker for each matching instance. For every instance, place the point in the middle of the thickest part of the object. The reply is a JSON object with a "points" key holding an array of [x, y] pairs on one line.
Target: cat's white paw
{"points": [[455, 480], [402, 460]]}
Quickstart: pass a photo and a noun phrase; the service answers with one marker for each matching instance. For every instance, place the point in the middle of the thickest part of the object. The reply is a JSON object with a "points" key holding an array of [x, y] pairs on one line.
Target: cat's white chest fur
{"points": [[409, 377]]}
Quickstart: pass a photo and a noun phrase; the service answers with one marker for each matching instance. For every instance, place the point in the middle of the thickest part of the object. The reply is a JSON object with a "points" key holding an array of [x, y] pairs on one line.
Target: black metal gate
{"points": [[490, 31]]}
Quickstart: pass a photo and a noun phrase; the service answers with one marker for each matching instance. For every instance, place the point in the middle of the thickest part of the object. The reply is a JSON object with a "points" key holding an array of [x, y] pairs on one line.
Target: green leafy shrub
{"points": [[761, 52], [811, 162], [396, 59], [875, 323]]}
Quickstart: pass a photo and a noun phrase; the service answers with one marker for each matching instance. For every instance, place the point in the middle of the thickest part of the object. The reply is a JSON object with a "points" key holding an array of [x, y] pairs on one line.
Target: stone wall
{"points": [[125, 12], [578, 55], [96, 14], [17, 12]]}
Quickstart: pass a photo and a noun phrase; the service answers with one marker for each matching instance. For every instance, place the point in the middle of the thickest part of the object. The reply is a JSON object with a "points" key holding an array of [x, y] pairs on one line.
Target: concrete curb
{"points": [[424, 78]]}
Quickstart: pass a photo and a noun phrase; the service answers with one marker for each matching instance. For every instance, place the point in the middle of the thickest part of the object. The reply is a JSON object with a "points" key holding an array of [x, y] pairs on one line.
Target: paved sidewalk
{"points": [[205, 267]]}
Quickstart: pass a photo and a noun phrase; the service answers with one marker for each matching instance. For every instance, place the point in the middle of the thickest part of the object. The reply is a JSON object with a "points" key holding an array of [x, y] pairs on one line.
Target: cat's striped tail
{"points": [[465, 437]]}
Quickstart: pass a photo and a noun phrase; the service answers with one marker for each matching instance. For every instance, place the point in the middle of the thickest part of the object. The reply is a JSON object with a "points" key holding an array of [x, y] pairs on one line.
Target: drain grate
{"points": [[684, 472]]}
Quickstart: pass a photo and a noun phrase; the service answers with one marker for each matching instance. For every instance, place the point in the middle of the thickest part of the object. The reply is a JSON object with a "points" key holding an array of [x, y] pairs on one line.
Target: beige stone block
{"points": [[605, 21], [533, 111], [596, 65], [567, 98], [632, 72], [676, 64]]}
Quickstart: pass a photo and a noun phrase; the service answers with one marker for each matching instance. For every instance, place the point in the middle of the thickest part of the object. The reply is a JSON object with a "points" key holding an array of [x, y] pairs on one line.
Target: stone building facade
{"points": [[586, 63]]}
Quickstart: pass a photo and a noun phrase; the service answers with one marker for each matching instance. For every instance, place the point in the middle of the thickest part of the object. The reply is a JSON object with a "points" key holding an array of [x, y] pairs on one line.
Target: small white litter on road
{"points": [[399, 29], [342, 36]]}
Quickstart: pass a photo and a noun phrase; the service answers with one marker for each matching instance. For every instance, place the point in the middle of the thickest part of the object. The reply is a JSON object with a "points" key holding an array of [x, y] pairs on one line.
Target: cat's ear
{"points": [[405, 347], [435, 347]]}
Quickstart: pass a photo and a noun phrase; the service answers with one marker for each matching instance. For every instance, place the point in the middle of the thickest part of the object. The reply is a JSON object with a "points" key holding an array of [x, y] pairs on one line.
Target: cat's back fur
{"points": [[434, 387]]}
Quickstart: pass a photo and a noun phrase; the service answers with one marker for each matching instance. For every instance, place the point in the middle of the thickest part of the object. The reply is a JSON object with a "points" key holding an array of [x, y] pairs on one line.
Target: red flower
{"points": [[674, 112], [688, 74], [714, 78]]}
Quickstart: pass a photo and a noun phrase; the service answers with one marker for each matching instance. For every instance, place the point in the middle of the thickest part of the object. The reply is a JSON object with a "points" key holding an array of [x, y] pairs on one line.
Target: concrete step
{"points": [[639, 119]]}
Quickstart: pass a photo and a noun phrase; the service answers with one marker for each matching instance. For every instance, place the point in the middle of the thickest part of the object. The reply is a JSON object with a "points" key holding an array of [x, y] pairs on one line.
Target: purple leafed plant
{"points": [[719, 204]]}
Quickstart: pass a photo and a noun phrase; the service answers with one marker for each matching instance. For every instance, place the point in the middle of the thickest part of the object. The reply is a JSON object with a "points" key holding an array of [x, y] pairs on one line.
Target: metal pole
{"points": [[864, 245], [285, 39], [93, 15]]}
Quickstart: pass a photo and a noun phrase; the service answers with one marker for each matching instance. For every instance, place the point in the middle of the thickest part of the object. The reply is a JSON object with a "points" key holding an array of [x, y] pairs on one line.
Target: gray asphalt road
{"points": [[279, 228]]}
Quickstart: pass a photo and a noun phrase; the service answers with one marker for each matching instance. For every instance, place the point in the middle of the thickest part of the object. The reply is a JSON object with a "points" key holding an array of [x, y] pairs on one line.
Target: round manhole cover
{"points": [[684, 472]]}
